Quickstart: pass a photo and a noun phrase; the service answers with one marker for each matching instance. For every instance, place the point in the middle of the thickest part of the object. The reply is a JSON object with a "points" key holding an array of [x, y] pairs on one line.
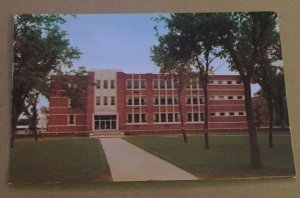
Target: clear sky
{"points": [[117, 41]]}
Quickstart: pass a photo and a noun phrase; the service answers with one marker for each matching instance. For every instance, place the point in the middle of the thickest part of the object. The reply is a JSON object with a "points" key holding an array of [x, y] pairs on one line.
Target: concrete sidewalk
{"points": [[130, 163]]}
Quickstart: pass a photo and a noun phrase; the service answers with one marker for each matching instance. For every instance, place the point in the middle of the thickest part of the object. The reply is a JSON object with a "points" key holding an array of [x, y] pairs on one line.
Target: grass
{"points": [[60, 160], [228, 156]]}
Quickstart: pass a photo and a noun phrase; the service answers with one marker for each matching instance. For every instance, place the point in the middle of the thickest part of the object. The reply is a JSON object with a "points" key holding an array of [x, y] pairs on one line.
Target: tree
{"points": [[268, 54], [199, 47], [169, 56], [242, 35], [40, 47]]}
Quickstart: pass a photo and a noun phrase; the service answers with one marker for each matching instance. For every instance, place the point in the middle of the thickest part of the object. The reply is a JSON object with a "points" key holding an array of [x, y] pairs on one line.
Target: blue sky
{"points": [[119, 41]]}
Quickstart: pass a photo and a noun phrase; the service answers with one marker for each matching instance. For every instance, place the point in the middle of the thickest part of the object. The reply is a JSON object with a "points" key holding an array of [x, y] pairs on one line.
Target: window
{"points": [[175, 100], [143, 117], [136, 84], [105, 84], [241, 113], [220, 82], [97, 100], [188, 101], [240, 97], [177, 117], [143, 84], [136, 101], [238, 82], [170, 117], [202, 100], [230, 97], [112, 84], [222, 113], [169, 84], [162, 84], [221, 97], [195, 100], [156, 101], [129, 101], [136, 118], [112, 100], [202, 118], [163, 117], [105, 101], [71, 119], [212, 114], [143, 101], [129, 118], [129, 84], [189, 117], [98, 84], [229, 82], [163, 101], [156, 117], [196, 117], [169, 101], [231, 113], [155, 84]]}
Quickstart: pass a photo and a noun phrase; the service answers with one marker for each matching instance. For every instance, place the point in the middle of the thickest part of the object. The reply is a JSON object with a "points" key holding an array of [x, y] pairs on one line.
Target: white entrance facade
{"points": [[105, 116]]}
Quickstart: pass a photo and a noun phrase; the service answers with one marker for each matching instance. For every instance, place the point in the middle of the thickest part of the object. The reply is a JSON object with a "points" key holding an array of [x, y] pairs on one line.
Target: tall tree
{"points": [[169, 55], [200, 47], [242, 35], [268, 53], [40, 46]]}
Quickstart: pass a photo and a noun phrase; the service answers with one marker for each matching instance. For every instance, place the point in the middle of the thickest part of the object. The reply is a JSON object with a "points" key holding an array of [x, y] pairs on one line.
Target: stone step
{"points": [[102, 134]]}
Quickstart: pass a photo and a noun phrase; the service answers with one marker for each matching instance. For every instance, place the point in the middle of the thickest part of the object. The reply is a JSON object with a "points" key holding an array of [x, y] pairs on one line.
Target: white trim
{"points": [[55, 114], [65, 125]]}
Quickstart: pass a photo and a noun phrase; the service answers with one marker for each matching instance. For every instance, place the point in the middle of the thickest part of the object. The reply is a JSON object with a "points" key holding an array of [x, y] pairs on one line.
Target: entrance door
{"points": [[105, 122]]}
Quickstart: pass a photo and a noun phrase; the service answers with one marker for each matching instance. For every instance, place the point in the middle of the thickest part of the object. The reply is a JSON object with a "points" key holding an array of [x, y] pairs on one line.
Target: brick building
{"points": [[147, 103]]}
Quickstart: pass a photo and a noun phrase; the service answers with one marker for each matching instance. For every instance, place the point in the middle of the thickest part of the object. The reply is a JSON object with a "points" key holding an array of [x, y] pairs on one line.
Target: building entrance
{"points": [[105, 122]]}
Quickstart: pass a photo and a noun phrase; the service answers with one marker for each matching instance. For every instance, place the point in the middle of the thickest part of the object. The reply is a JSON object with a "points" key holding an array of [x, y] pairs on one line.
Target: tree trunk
{"points": [[206, 117], [14, 120], [253, 142], [181, 117], [270, 109], [34, 117]]}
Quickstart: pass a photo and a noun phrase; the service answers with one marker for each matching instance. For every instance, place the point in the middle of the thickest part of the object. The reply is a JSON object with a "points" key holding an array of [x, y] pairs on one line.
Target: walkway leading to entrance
{"points": [[130, 163]]}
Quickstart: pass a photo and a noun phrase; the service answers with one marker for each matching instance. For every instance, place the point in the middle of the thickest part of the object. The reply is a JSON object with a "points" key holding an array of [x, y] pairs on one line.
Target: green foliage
{"points": [[40, 47]]}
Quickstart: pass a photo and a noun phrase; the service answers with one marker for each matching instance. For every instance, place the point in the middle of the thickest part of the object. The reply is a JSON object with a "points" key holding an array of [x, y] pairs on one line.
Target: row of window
{"points": [[105, 84], [230, 113], [106, 100], [170, 84], [227, 97], [165, 117], [164, 100]]}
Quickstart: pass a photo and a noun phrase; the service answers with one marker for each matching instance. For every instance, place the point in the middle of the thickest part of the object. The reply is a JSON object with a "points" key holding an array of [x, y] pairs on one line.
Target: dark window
{"points": [[112, 84], [105, 84], [231, 113], [98, 86], [169, 84], [98, 100], [112, 100], [230, 97], [156, 100], [136, 118], [129, 118], [156, 119], [169, 101], [202, 118], [229, 82], [143, 117], [222, 113], [129, 101], [136, 84], [238, 82], [155, 84], [136, 101], [240, 97], [162, 84], [241, 113], [195, 100], [129, 84], [163, 101], [170, 117], [143, 101], [196, 117], [71, 119], [143, 84], [163, 117], [189, 117], [105, 101], [213, 114], [188, 100]]}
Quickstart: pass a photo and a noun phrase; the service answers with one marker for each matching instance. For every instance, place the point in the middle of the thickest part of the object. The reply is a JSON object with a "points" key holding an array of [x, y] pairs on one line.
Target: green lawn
{"points": [[228, 156], [58, 160]]}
